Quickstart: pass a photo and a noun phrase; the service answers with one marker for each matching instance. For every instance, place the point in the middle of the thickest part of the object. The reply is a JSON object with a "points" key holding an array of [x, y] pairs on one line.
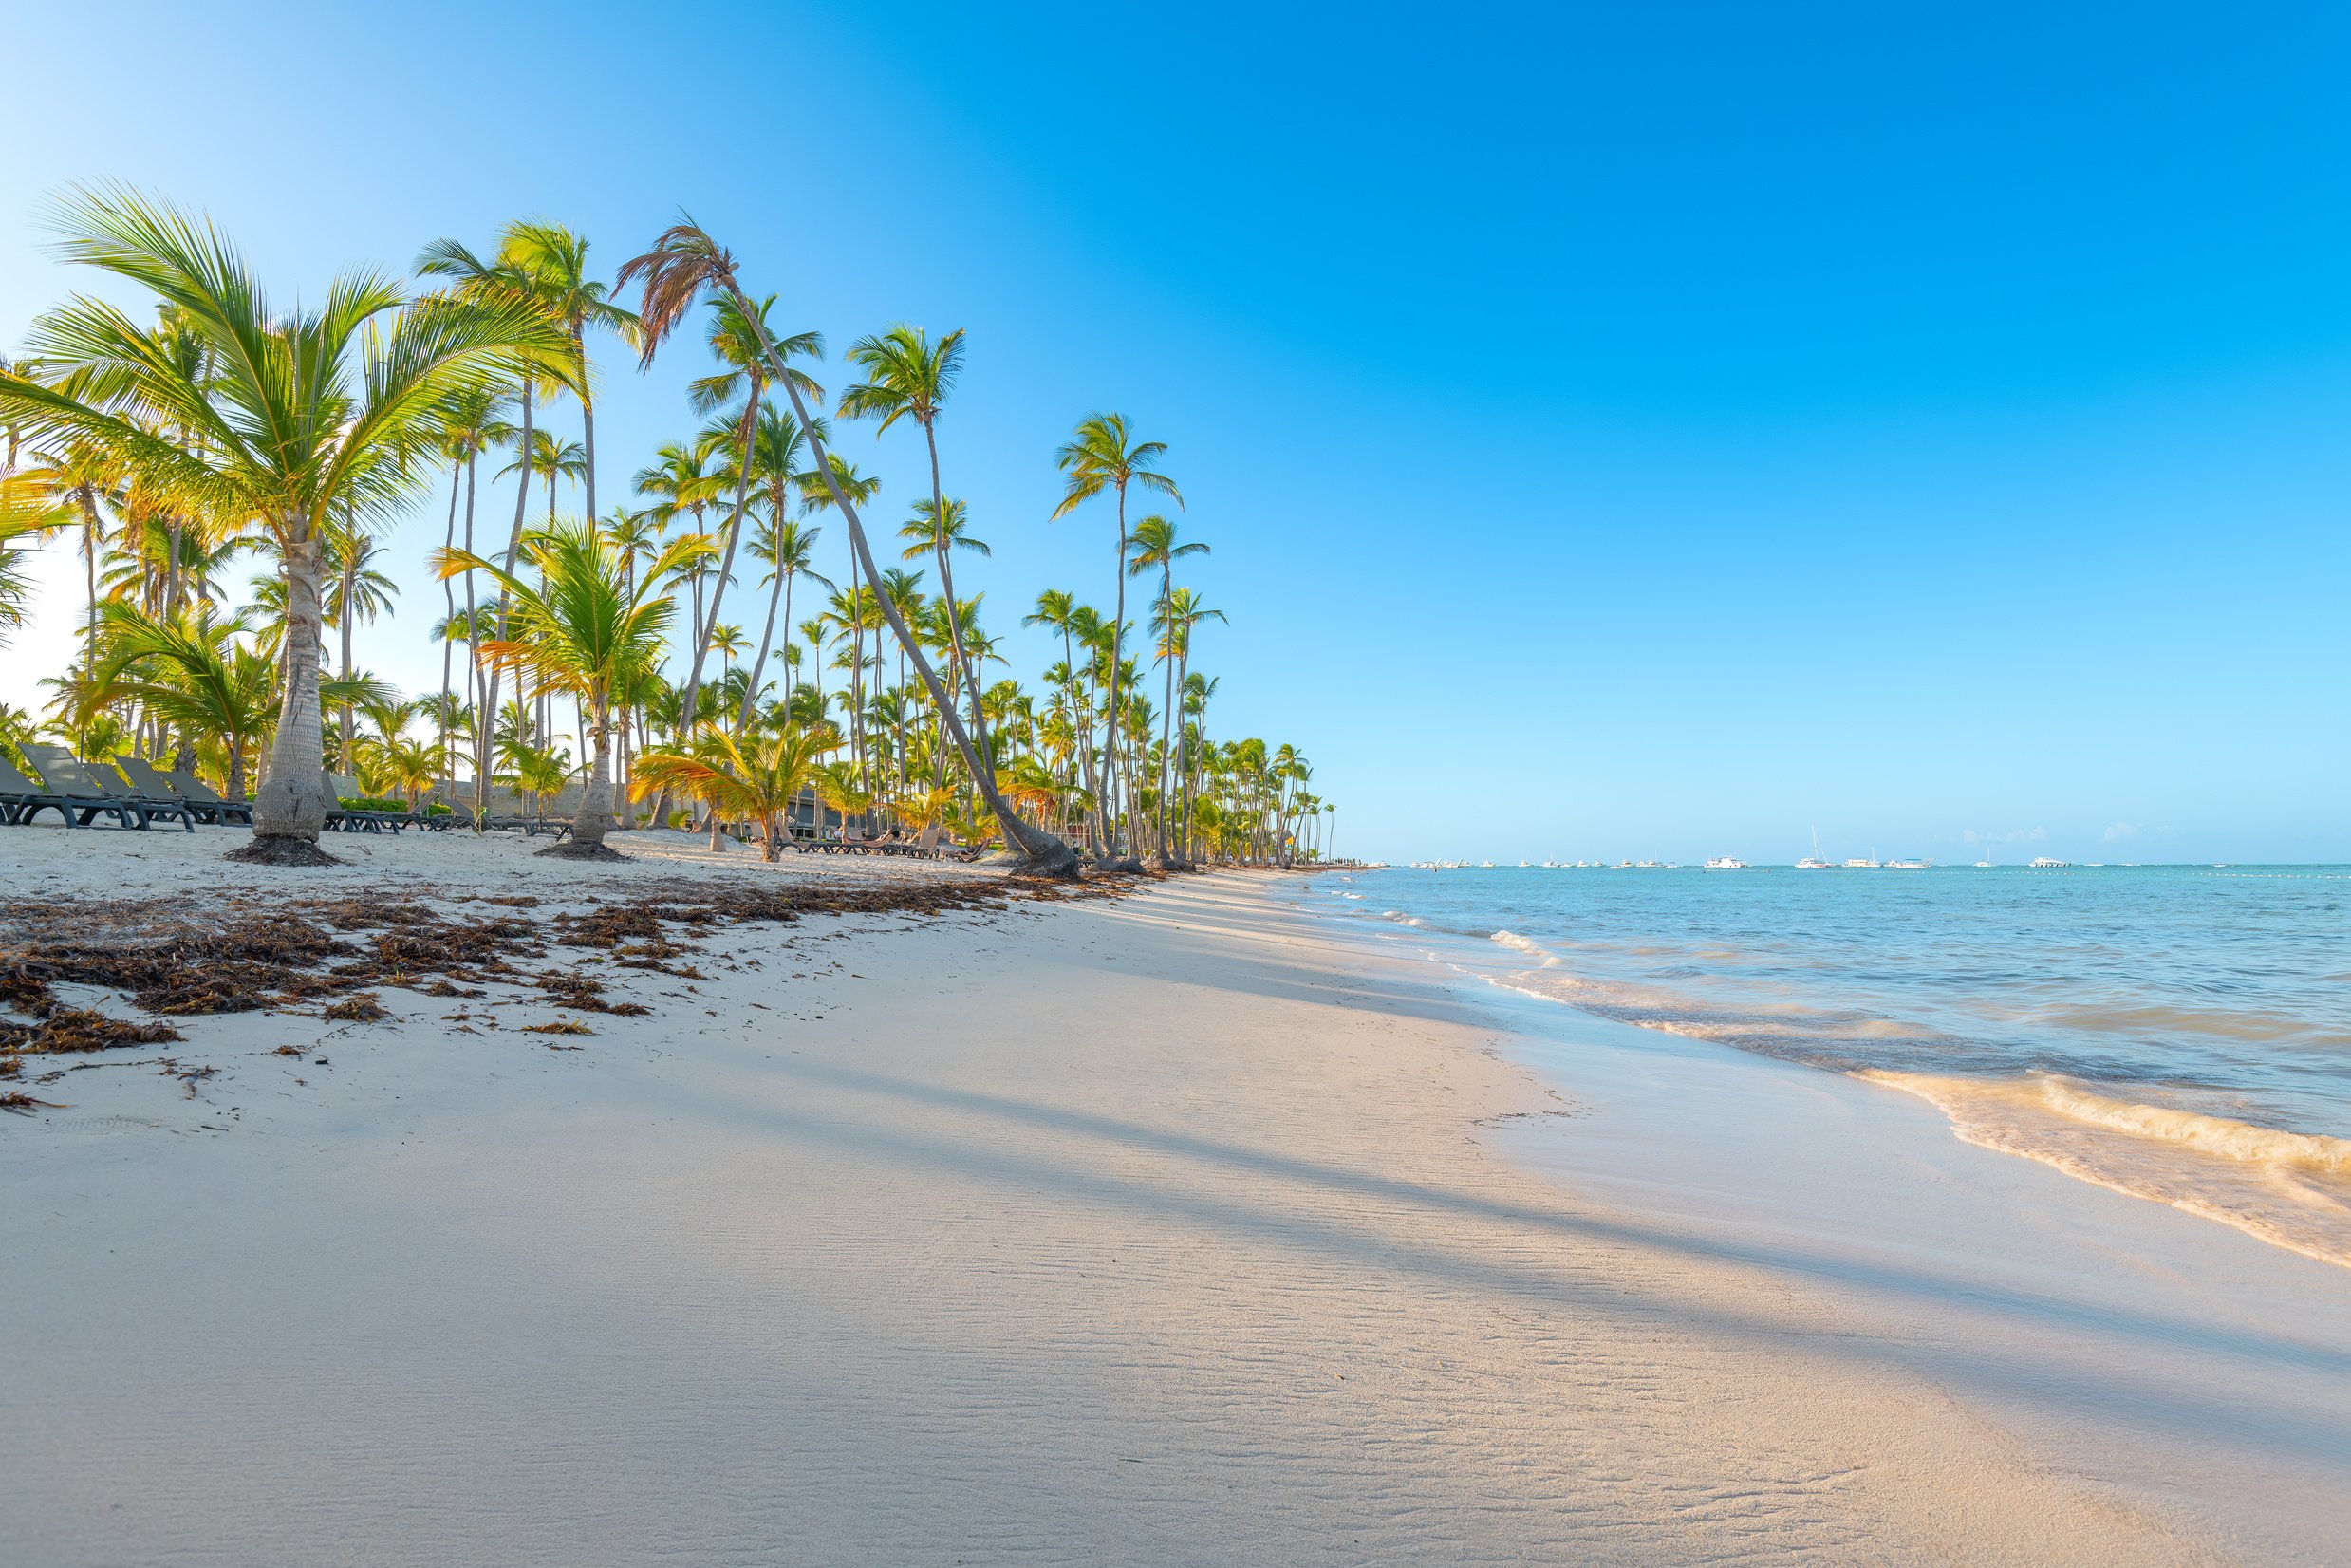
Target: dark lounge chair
{"points": [[20, 798], [200, 797], [98, 779]]}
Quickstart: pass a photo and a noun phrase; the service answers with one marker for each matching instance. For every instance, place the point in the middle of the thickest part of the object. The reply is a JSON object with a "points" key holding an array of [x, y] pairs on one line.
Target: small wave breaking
{"points": [[2291, 1189]]}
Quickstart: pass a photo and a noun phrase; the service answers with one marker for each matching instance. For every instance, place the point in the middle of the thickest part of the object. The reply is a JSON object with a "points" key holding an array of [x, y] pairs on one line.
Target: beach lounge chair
{"points": [[340, 786], [200, 797], [21, 797], [99, 781]]}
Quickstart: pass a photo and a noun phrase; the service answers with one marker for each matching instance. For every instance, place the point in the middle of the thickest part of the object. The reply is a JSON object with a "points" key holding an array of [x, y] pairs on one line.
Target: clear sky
{"points": [[1650, 431]]}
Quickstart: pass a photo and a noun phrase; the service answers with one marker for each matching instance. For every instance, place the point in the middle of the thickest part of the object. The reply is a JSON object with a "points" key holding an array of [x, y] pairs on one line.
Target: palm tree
{"points": [[514, 281], [1156, 545], [1180, 610], [684, 263], [908, 376], [195, 676], [1102, 454], [471, 424], [743, 777], [307, 416], [737, 331], [360, 592], [784, 545], [556, 261], [584, 631]]}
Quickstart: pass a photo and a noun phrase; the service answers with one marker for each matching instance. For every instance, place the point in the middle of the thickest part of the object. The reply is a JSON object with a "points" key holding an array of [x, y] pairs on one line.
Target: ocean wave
{"points": [[1526, 945], [2291, 1189]]}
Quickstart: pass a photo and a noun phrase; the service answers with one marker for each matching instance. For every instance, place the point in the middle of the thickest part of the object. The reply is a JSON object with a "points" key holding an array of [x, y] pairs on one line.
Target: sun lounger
{"points": [[350, 819], [200, 798], [21, 798], [99, 781]]}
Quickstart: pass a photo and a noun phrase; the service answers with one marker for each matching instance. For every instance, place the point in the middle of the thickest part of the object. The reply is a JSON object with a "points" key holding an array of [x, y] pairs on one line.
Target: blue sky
{"points": [[1622, 431]]}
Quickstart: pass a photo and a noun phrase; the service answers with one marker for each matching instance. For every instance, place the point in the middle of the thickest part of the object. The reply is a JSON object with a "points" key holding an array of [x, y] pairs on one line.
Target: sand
{"points": [[1175, 1228]]}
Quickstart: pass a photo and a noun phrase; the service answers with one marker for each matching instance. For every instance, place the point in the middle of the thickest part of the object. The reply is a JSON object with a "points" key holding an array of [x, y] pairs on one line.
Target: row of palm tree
{"points": [[232, 428]]}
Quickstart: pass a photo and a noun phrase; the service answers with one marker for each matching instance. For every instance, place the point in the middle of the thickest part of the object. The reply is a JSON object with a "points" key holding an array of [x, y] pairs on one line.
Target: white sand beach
{"points": [[1170, 1228]]}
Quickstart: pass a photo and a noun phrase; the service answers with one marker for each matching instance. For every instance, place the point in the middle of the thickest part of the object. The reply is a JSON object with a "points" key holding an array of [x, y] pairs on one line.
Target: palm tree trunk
{"points": [[490, 691], [588, 425], [290, 808], [449, 600], [1118, 640], [1167, 593], [595, 813]]}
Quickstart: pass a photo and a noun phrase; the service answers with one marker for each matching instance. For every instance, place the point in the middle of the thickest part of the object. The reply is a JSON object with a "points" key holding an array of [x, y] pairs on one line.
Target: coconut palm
{"points": [[193, 672], [737, 331], [307, 416], [788, 548], [756, 777], [584, 631], [556, 260], [1158, 547], [910, 376], [1102, 454], [684, 263]]}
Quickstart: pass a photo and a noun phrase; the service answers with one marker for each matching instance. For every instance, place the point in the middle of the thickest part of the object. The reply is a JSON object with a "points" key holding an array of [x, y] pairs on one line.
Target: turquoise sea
{"points": [[2179, 1032]]}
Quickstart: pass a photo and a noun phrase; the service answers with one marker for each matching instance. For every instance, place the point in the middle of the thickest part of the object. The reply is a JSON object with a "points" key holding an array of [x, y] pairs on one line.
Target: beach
{"points": [[1166, 1222]]}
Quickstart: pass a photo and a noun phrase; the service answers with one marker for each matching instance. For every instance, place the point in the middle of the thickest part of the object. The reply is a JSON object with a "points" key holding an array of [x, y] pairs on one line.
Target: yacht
{"points": [[1726, 863], [1813, 861], [1983, 864], [1857, 864], [1649, 865], [2042, 863], [1912, 865]]}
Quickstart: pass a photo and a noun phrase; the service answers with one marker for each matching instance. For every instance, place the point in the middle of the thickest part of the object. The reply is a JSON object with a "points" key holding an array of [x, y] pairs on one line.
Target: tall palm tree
{"points": [[910, 376], [1180, 611], [1103, 455], [583, 630], [512, 279], [1157, 546], [471, 426], [360, 592], [556, 261], [786, 545], [307, 416], [735, 336], [683, 264]]}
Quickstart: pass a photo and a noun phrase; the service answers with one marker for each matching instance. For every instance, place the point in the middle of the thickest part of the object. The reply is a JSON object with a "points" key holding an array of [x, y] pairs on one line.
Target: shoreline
{"points": [[1168, 1227]]}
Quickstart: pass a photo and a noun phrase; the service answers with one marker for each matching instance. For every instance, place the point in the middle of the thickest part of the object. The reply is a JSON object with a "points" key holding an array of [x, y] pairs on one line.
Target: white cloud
{"points": [[2121, 830]]}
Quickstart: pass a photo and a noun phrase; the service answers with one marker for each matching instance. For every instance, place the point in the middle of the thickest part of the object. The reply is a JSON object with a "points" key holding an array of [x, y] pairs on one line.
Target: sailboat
{"points": [[1813, 861]]}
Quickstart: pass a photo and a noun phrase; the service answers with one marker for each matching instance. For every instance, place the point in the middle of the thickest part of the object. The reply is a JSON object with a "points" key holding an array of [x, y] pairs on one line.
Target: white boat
{"points": [[1813, 863], [1909, 865], [2042, 863], [1857, 864], [1726, 863], [1485, 865], [1649, 865], [1983, 864]]}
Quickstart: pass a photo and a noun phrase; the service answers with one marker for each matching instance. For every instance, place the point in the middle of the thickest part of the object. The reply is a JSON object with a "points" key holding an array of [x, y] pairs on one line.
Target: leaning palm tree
{"points": [[683, 264], [1102, 454], [755, 777], [584, 631], [306, 416]]}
